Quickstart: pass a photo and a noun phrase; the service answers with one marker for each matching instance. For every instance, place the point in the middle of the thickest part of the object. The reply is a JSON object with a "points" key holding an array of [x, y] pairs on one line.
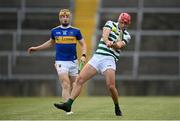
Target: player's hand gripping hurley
{"points": [[81, 63]]}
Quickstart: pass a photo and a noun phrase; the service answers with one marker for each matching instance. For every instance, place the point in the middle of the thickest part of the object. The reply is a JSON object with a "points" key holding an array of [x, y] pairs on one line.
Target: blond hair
{"points": [[64, 12]]}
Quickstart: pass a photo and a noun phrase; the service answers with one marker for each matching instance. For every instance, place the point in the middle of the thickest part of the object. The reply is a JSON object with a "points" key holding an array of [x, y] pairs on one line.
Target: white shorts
{"points": [[70, 67], [101, 62]]}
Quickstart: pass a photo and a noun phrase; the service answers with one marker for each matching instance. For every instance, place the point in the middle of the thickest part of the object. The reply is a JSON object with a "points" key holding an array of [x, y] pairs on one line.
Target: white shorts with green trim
{"points": [[102, 62]]}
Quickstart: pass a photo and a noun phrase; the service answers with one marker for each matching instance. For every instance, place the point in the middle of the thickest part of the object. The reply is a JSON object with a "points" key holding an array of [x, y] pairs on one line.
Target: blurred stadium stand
{"points": [[149, 66]]}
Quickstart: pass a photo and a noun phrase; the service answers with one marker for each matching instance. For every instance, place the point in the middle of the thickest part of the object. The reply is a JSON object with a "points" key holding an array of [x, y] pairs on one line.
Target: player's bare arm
{"points": [[118, 44], [84, 49], [43, 46], [105, 36]]}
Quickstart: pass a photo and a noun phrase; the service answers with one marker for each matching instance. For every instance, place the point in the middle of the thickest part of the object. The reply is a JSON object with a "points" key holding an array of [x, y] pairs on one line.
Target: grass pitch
{"points": [[91, 108]]}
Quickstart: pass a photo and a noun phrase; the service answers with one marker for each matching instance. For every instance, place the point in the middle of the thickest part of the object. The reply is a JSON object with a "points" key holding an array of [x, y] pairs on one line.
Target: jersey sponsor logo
{"points": [[65, 40]]}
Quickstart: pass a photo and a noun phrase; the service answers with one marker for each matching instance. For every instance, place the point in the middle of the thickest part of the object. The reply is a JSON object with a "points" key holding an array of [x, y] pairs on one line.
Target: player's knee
{"points": [[111, 86], [65, 85], [79, 80]]}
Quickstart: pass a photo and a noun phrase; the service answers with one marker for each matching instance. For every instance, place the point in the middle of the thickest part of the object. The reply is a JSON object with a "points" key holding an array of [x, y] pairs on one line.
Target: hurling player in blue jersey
{"points": [[65, 38]]}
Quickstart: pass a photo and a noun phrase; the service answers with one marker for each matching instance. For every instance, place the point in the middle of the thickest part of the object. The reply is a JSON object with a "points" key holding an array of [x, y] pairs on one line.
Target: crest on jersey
{"points": [[64, 32]]}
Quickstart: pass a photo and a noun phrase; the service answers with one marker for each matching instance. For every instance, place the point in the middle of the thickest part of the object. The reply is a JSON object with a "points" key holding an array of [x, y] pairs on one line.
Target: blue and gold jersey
{"points": [[65, 42]]}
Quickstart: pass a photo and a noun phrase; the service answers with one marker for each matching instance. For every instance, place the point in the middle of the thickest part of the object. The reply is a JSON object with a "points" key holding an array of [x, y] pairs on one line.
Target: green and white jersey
{"points": [[115, 35]]}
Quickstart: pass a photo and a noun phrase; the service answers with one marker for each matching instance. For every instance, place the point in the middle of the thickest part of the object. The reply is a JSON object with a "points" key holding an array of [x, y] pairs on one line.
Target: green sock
{"points": [[70, 102], [116, 104]]}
